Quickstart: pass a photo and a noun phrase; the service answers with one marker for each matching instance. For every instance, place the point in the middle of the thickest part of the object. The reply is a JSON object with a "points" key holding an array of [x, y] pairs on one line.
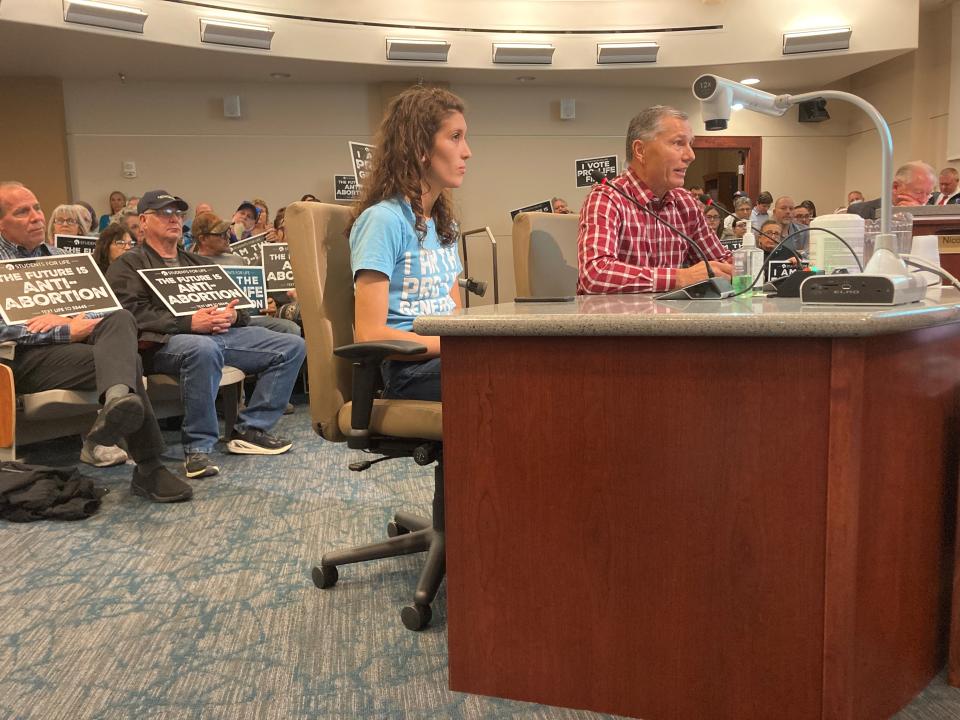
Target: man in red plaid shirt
{"points": [[621, 249]]}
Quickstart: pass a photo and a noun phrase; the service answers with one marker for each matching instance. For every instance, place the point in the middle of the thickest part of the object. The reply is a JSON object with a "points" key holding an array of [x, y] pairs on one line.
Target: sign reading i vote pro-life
{"points": [[184, 290], [249, 249], [277, 267], [58, 284], [361, 156], [75, 243], [250, 280], [607, 165]]}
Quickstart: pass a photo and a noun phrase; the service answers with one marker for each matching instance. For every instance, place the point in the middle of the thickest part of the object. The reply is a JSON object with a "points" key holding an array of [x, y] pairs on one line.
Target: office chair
{"points": [[545, 254], [344, 378]]}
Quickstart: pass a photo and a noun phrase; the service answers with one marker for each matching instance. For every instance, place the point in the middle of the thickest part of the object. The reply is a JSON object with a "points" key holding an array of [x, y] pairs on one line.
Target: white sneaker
{"points": [[102, 455]]}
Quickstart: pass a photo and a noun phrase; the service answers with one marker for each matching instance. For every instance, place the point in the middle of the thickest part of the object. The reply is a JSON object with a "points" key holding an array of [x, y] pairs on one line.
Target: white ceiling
{"points": [[36, 42]]}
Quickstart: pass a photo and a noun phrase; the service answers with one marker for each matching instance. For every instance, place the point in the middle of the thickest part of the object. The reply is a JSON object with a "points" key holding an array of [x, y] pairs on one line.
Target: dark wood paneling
{"points": [[630, 530]]}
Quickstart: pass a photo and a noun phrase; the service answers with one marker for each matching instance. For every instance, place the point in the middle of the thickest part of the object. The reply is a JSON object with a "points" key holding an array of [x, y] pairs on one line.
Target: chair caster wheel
{"points": [[325, 576], [394, 529], [416, 617]]}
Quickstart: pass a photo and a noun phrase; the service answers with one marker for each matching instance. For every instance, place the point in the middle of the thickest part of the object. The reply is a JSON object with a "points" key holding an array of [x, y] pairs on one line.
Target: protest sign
{"points": [[606, 165], [75, 244], [249, 249], [345, 188], [184, 290], [361, 158], [58, 284], [250, 280], [277, 268], [544, 206]]}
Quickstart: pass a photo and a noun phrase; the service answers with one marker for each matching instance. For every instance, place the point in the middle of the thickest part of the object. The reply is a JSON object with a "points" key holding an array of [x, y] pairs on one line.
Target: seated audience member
{"points": [[742, 206], [912, 184], [244, 220], [405, 234], [263, 223], [854, 196], [804, 212], [771, 232], [713, 219], [761, 212], [196, 347], [113, 242], [621, 248], [783, 210], [65, 220], [92, 221], [117, 202], [309, 198], [187, 242], [277, 300], [696, 190], [560, 206], [949, 193], [133, 201], [212, 241], [130, 219], [85, 354]]}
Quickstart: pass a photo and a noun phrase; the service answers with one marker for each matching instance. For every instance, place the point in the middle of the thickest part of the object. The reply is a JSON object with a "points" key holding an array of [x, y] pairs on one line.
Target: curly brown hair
{"points": [[405, 138]]}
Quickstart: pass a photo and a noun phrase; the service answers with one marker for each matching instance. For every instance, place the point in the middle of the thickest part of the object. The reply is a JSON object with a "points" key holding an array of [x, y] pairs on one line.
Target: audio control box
{"points": [[862, 289]]}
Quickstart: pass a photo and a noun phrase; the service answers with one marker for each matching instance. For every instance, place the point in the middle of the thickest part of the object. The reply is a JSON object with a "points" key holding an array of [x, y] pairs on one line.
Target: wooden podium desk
{"points": [[705, 510]]}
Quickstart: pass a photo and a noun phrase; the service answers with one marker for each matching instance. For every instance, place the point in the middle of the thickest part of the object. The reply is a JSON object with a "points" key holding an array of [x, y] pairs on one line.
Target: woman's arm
{"points": [[371, 294]]}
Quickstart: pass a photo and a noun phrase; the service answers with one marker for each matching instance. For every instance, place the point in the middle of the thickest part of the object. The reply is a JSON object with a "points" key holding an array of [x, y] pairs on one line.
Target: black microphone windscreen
{"points": [[598, 177]]}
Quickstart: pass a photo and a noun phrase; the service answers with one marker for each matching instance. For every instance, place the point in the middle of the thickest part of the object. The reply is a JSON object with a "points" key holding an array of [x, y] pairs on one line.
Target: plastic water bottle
{"points": [[747, 264]]}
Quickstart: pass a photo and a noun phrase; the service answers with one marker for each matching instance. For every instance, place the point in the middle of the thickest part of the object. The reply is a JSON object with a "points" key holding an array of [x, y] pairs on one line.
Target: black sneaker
{"points": [[118, 418], [197, 465], [257, 442], [160, 486]]}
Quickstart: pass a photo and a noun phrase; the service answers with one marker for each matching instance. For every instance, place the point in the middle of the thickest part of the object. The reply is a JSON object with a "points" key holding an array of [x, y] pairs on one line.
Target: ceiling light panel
{"points": [[103, 14], [639, 52], [225, 32], [523, 53], [805, 41], [423, 50]]}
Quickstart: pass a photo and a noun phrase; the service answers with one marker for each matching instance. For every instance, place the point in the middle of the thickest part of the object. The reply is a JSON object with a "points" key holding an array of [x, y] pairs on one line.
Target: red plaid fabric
{"points": [[621, 249]]}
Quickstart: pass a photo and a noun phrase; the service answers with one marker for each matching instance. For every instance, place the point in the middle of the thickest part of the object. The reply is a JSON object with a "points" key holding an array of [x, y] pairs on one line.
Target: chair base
{"points": [[409, 534]]}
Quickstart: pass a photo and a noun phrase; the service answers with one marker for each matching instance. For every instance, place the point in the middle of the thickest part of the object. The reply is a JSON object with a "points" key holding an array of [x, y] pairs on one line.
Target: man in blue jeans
{"points": [[196, 347]]}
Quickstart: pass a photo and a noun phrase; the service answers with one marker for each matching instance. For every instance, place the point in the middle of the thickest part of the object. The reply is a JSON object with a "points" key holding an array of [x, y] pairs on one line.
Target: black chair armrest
{"points": [[366, 358]]}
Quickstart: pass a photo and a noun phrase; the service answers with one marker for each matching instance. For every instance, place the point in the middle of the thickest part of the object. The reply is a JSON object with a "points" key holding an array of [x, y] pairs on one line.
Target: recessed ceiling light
{"points": [[279, 75], [750, 81], [525, 78]]}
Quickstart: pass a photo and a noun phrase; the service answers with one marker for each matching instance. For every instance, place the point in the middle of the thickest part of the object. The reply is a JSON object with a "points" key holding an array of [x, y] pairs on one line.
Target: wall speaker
{"points": [[813, 110], [231, 106], [568, 108]]}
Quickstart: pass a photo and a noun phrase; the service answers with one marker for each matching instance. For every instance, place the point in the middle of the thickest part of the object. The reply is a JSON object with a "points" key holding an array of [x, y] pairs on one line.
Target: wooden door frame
{"points": [[753, 150]]}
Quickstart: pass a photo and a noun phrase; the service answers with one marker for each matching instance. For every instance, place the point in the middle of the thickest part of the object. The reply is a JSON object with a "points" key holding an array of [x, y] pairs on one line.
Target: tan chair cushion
{"points": [[418, 419], [52, 404]]}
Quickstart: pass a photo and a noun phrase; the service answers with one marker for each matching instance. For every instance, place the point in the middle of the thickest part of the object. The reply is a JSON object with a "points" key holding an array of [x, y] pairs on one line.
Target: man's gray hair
{"points": [[649, 123], [4, 186], [906, 172], [127, 211], [950, 171], [742, 201]]}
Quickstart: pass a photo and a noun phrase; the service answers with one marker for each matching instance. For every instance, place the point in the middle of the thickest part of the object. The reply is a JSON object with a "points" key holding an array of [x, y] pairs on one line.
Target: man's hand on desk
{"points": [[695, 273]]}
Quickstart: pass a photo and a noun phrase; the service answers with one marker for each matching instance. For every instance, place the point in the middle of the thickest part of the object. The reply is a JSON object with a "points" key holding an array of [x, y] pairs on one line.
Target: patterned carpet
{"points": [[206, 609]]}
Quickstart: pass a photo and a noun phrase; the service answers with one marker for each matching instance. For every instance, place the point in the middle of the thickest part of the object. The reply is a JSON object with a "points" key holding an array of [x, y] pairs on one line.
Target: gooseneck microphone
{"points": [[713, 288]]}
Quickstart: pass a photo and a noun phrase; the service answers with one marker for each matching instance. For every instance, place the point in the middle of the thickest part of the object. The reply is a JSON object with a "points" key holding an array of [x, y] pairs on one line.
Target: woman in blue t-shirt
{"points": [[403, 242]]}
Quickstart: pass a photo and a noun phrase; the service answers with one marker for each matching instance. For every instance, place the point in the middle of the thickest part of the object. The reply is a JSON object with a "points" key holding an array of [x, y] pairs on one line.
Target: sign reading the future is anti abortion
{"points": [[277, 267], [606, 165], [75, 243], [184, 290], [345, 188], [59, 284]]}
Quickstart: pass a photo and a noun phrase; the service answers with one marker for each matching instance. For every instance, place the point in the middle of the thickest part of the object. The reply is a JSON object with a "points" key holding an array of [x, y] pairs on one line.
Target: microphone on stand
{"points": [[713, 288]]}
